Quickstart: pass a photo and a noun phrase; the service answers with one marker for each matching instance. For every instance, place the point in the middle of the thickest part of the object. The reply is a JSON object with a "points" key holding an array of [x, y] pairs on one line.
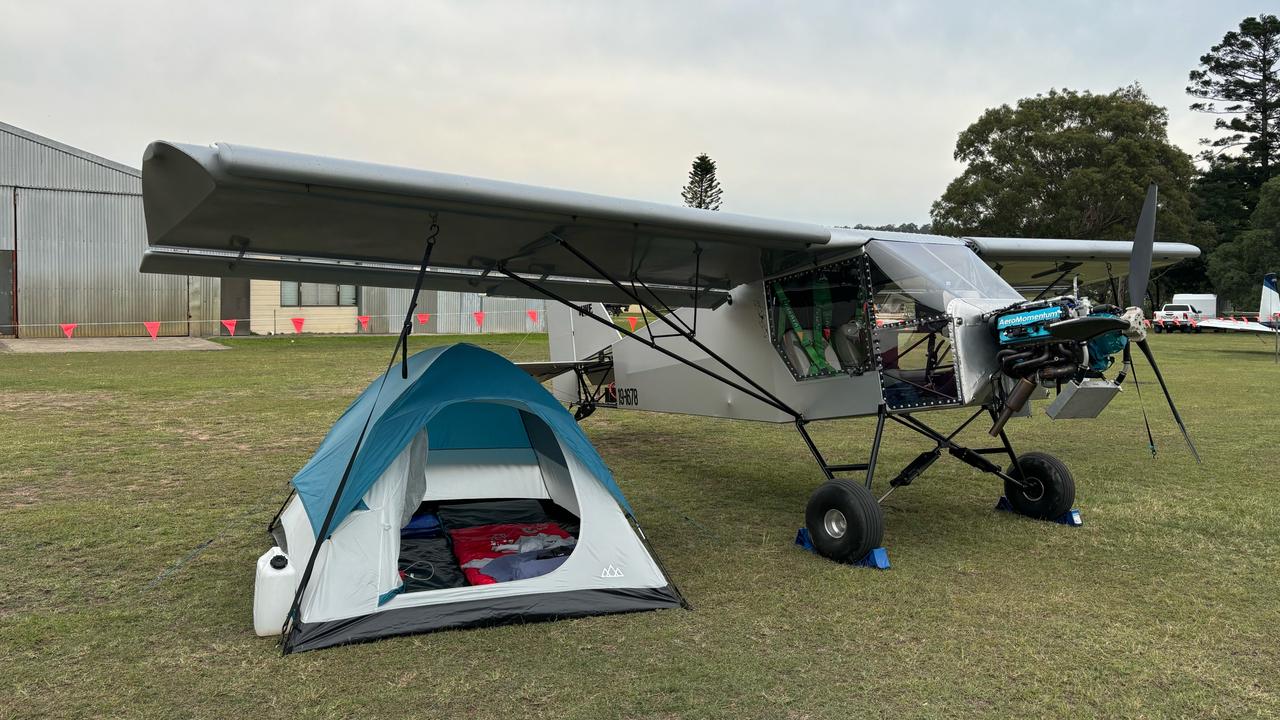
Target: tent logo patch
{"points": [[611, 572]]}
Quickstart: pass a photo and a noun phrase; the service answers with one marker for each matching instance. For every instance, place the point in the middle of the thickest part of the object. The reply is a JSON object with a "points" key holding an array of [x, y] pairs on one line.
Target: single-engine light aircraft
{"points": [[746, 318]]}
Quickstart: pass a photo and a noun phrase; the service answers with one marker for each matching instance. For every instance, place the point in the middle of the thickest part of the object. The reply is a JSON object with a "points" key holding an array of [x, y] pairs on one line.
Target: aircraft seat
{"points": [[800, 359]]}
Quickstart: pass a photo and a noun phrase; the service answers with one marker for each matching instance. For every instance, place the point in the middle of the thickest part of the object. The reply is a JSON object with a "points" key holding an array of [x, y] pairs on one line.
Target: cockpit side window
{"points": [[819, 320], [911, 287]]}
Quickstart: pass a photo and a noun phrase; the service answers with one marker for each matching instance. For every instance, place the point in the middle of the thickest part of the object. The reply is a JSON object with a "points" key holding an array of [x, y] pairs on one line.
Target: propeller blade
{"points": [[1085, 328], [1151, 360], [1143, 245]]}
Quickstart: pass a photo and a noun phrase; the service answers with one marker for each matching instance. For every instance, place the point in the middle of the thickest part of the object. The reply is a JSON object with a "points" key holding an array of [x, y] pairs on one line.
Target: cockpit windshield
{"points": [[934, 274]]}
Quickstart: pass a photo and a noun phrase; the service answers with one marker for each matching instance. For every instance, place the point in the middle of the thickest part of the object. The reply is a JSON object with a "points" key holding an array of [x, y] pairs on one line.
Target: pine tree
{"points": [[703, 190], [1240, 78]]}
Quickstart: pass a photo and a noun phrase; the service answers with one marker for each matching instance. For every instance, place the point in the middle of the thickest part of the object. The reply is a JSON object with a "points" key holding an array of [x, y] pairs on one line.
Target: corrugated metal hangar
{"points": [[72, 234]]}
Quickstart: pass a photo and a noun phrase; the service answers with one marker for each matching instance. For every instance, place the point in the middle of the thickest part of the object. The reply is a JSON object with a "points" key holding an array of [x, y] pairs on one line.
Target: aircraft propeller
{"points": [[1139, 276]]}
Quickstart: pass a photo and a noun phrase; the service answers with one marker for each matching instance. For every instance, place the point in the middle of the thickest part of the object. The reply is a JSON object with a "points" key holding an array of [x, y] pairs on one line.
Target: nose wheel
{"points": [[1048, 489], [844, 520]]}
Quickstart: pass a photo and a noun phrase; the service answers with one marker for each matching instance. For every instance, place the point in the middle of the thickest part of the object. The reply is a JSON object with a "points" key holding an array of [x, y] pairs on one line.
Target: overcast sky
{"points": [[835, 113]]}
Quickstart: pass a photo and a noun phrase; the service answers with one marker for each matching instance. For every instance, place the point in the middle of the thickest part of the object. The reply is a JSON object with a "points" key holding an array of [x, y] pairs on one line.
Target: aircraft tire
{"points": [[1053, 491], [844, 520]]}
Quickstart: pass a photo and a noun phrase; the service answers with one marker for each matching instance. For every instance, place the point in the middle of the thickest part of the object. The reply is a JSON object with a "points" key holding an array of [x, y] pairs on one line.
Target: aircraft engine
{"points": [[1064, 343]]}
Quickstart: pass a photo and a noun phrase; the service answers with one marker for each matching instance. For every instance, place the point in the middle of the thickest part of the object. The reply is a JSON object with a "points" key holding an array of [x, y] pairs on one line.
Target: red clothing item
{"points": [[475, 577], [480, 542]]}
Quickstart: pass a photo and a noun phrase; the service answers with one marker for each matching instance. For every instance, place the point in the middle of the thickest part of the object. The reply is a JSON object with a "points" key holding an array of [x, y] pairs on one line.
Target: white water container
{"points": [[273, 590]]}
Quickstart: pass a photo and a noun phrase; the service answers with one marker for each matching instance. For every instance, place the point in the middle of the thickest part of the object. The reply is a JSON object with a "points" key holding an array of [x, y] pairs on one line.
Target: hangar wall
{"points": [[6, 218], [78, 262], [73, 234], [8, 271]]}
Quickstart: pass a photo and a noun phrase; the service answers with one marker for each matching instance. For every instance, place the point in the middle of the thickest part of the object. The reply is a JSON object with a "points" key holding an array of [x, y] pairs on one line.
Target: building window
{"points": [[302, 294]]}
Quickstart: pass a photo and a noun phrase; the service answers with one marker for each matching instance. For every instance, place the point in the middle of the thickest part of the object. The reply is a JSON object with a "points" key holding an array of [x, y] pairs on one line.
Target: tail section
{"points": [[1270, 303], [575, 337]]}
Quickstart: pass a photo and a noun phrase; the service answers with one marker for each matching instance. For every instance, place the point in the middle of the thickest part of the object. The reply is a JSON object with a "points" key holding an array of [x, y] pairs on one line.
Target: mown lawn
{"points": [[114, 468]]}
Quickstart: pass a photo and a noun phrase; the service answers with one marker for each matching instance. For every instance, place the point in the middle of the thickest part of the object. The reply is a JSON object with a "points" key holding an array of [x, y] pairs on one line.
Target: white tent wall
{"points": [[482, 474], [359, 561], [551, 461]]}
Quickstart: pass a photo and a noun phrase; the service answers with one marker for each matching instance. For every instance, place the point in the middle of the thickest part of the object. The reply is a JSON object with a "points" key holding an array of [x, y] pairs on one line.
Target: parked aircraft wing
{"points": [[231, 198], [1237, 326], [1027, 262]]}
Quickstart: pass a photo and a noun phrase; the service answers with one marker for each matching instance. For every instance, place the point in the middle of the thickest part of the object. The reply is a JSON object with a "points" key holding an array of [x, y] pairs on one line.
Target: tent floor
{"points": [[429, 563]]}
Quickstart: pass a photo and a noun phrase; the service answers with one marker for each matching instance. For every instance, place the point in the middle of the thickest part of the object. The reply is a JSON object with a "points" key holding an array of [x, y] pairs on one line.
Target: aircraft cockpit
{"points": [[890, 309]]}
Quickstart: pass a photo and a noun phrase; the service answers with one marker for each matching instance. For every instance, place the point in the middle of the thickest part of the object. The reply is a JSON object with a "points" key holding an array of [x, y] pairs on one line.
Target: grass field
{"points": [[116, 467]]}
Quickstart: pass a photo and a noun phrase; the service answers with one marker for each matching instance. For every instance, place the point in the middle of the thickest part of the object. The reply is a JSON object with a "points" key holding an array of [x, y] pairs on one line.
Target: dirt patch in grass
{"points": [[19, 401], [16, 498]]}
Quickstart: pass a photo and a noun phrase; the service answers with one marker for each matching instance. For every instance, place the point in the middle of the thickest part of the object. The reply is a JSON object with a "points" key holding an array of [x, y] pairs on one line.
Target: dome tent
{"points": [[472, 438]]}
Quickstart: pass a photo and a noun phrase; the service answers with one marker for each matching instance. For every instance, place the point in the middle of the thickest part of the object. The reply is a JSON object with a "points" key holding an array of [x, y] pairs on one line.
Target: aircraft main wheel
{"points": [[844, 520], [1050, 489]]}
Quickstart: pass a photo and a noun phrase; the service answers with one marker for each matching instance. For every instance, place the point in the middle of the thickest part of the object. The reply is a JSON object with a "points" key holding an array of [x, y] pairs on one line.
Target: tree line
{"points": [[1075, 164]]}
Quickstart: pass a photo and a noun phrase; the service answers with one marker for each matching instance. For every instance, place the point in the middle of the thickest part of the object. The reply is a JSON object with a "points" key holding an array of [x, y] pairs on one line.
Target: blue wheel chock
{"points": [[877, 559], [1070, 517]]}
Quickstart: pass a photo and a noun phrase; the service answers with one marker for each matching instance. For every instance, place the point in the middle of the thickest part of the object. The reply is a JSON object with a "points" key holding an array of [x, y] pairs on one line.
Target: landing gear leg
{"points": [[1038, 485], [844, 520]]}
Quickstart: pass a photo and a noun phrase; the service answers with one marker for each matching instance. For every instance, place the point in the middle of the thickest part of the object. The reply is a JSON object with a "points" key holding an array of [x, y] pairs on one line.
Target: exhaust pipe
{"points": [[1017, 399]]}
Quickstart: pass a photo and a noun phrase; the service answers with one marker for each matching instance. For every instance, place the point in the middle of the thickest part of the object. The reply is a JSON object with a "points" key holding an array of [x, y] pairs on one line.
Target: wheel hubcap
{"points": [[1034, 489], [835, 524]]}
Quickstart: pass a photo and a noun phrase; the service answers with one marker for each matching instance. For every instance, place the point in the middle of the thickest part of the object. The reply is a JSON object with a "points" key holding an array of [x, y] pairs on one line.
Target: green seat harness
{"points": [[813, 343]]}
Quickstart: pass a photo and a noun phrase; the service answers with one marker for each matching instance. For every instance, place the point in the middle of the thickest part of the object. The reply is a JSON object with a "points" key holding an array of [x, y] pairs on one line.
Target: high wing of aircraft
{"points": [[244, 211], [747, 318]]}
